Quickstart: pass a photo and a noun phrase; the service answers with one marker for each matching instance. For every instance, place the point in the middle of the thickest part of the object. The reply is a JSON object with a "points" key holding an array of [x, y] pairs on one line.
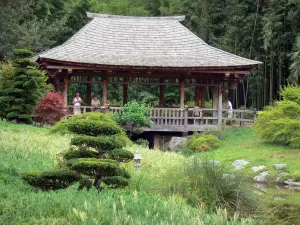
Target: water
{"points": [[282, 204]]}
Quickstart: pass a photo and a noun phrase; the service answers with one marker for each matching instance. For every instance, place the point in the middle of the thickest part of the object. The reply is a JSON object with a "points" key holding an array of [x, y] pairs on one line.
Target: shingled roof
{"points": [[141, 41]]}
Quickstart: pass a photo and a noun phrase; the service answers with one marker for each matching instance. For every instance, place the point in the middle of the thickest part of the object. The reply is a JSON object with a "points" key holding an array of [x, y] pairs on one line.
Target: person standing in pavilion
{"points": [[230, 111], [77, 101]]}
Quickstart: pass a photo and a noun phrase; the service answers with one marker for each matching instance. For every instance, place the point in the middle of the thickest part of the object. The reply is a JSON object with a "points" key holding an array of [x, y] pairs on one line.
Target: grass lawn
{"points": [[148, 199], [243, 143]]}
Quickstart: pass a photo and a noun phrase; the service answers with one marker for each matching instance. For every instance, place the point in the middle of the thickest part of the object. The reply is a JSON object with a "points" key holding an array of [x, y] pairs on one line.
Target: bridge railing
{"points": [[184, 117]]}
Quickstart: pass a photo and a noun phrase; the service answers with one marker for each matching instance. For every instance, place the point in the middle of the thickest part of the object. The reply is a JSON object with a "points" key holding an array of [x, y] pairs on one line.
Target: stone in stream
{"points": [[176, 143], [290, 182], [278, 178], [257, 168], [239, 164], [262, 177], [279, 166]]}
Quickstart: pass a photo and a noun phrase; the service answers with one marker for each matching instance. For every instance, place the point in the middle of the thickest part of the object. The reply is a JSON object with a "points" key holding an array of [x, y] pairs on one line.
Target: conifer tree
{"points": [[28, 85]]}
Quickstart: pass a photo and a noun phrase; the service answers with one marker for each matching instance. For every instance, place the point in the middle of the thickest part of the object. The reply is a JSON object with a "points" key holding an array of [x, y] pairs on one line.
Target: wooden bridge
{"points": [[184, 119]]}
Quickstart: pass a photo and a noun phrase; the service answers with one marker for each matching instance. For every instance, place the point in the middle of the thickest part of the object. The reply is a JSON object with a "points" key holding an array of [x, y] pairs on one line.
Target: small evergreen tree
{"points": [[95, 154], [28, 85]]}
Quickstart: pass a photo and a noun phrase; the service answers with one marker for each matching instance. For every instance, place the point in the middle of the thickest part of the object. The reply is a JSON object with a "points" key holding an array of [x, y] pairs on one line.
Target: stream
{"points": [[283, 203]]}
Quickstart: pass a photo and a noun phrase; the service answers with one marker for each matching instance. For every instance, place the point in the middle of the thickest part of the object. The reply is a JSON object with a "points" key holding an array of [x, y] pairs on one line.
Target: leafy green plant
{"points": [[27, 86], [280, 124], [203, 142], [97, 153], [142, 142], [134, 115]]}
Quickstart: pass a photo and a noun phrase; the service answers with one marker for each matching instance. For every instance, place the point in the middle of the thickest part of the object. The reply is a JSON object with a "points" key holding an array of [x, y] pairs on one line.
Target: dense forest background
{"points": [[265, 30]]}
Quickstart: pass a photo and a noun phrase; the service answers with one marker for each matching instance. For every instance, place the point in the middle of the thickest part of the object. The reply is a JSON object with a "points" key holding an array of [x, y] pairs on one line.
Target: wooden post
{"points": [[182, 93], [197, 96], [89, 90], [202, 97], [162, 93], [125, 91], [65, 90], [220, 107], [215, 103], [104, 83]]}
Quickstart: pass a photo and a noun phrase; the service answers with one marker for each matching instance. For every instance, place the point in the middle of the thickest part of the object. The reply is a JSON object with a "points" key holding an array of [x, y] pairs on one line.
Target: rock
{"points": [[279, 166], [292, 183], [176, 143], [239, 164], [262, 177], [278, 178], [257, 168]]}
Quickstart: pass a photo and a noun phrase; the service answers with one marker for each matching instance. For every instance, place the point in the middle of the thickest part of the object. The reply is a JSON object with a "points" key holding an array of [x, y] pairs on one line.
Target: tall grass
{"points": [[156, 195]]}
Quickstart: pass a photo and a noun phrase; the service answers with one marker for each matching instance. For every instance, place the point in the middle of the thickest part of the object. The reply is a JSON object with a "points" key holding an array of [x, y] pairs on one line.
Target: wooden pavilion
{"points": [[147, 51]]}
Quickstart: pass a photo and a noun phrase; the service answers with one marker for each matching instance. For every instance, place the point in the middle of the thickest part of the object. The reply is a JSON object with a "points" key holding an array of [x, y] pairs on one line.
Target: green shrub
{"points": [[203, 142], [51, 180], [134, 115], [280, 124], [142, 142], [96, 148], [28, 84]]}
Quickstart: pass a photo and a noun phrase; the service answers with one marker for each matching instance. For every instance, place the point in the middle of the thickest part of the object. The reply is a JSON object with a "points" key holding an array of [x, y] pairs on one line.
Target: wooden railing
{"points": [[185, 119]]}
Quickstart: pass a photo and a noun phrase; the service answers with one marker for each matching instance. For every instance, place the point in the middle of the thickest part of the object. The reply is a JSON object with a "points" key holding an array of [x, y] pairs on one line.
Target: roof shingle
{"points": [[138, 41]]}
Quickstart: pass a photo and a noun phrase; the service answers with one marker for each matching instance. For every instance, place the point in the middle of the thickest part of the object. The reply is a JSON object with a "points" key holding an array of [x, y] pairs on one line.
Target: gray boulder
{"points": [[290, 182], [257, 168], [176, 143], [278, 178], [239, 164], [279, 166], [262, 177]]}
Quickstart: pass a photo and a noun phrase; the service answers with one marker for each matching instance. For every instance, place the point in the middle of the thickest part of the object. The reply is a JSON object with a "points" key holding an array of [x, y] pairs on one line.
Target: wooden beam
{"points": [[125, 91], [104, 87], [197, 96], [215, 103], [220, 106], [203, 97], [162, 93], [182, 93], [65, 91], [89, 90]]}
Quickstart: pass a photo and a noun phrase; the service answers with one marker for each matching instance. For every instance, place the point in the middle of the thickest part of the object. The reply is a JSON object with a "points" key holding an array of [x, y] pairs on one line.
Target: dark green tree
{"points": [[28, 85]]}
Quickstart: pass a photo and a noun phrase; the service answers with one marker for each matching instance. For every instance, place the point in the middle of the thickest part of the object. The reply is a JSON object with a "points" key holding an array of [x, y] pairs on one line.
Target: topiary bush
{"points": [[95, 152], [203, 142], [27, 86], [52, 180], [281, 124]]}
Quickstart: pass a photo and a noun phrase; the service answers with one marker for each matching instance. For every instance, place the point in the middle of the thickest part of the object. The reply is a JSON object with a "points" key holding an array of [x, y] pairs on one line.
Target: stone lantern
{"points": [[137, 161]]}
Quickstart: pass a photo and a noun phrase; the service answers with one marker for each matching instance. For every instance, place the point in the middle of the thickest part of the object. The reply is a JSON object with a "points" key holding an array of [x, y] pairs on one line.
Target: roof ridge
{"points": [[99, 15]]}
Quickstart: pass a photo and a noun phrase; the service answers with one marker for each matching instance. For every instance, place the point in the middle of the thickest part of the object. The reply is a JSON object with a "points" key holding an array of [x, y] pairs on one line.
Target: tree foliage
{"points": [[27, 85], [50, 108], [94, 155], [281, 124], [135, 115]]}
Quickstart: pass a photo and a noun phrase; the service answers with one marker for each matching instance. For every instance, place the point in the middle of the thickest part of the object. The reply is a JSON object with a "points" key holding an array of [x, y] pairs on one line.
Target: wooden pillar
{"points": [[215, 103], [197, 96], [182, 93], [65, 90], [220, 107], [125, 91], [89, 90], [161, 93], [104, 84], [202, 97]]}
